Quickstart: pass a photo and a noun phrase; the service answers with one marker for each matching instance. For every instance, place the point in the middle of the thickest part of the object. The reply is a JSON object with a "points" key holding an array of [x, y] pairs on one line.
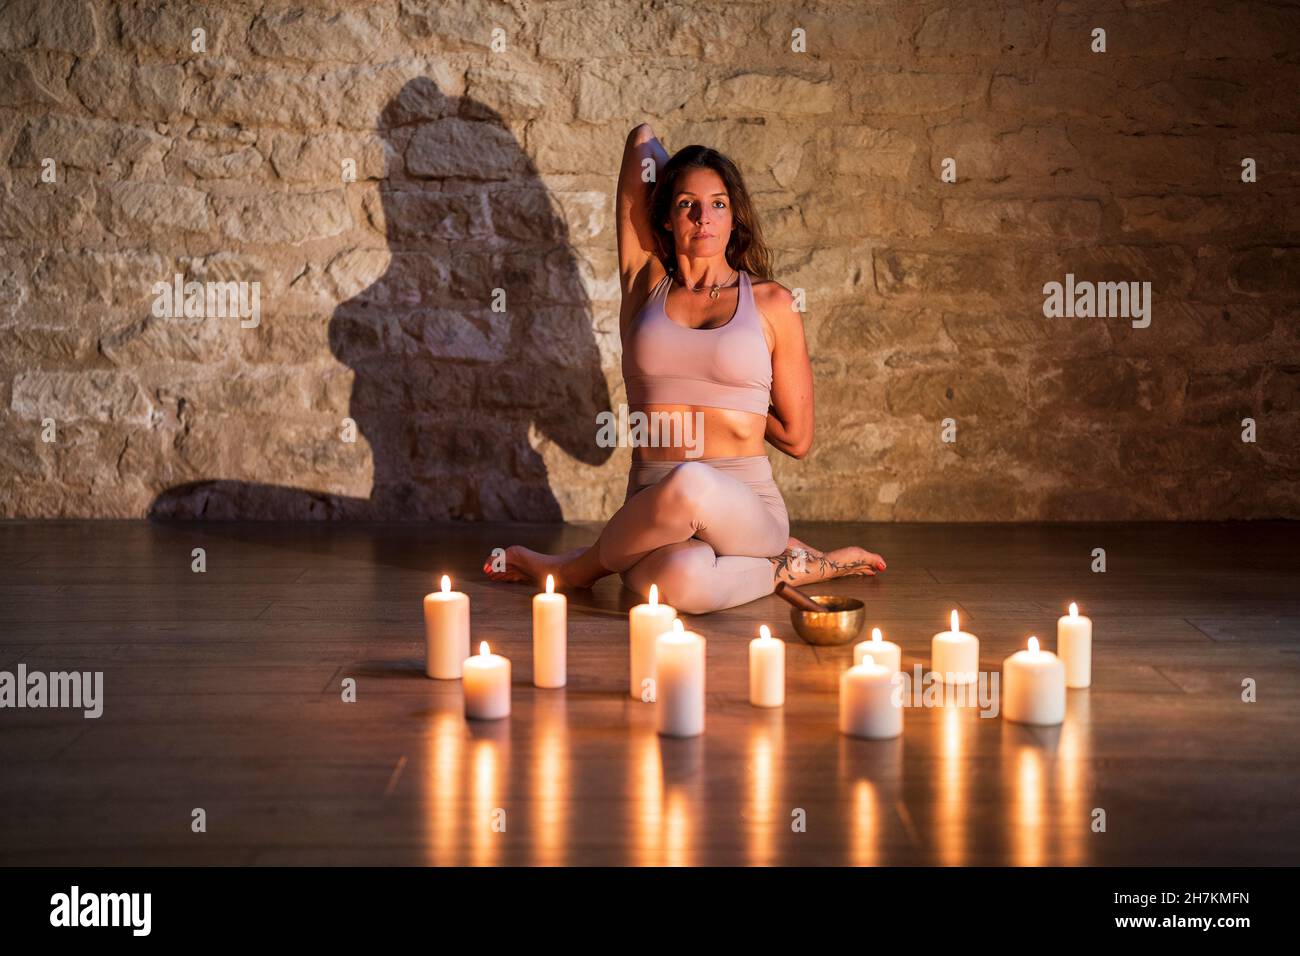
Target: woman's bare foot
{"points": [[572, 569], [801, 564]]}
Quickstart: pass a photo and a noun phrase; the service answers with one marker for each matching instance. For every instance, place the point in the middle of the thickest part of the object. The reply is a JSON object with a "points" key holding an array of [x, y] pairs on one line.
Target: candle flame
{"points": [[1074, 609], [867, 661], [654, 594], [483, 649], [876, 636], [446, 584], [953, 619], [550, 584], [677, 626], [764, 632], [1033, 645]]}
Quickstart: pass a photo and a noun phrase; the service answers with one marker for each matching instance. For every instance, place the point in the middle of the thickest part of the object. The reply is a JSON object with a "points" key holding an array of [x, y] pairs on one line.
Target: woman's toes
{"points": [[513, 568], [849, 561], [871, 562]]}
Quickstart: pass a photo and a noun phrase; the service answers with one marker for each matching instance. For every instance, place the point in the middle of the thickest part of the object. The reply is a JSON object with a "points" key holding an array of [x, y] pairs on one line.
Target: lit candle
{"points": [[883, 652], [550, 637], [645, 623], [868, 705], [955, 655], [766, 669], [679, 682], [446, 632], [1074, 644], [487, 685], [1033, 686]]}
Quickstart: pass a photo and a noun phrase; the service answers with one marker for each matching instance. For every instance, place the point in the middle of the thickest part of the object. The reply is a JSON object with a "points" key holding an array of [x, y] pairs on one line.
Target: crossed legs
{"points": [[705, 538], [708, 541]]}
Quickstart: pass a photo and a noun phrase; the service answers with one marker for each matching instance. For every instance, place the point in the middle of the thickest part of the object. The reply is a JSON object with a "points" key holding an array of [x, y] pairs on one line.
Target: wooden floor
{"points": [[223, 692]]}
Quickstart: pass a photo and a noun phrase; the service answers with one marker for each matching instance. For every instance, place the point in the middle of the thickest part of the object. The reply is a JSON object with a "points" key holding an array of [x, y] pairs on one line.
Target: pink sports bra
{"points": [[727, 366]]}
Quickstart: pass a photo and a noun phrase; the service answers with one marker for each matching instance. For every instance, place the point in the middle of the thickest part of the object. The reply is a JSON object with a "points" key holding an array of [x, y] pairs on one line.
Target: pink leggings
{"points": [[701, 530]]}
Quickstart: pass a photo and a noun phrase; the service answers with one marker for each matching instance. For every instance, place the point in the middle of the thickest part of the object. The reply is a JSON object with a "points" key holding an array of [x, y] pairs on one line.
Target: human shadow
{"points": [[445, 388]]}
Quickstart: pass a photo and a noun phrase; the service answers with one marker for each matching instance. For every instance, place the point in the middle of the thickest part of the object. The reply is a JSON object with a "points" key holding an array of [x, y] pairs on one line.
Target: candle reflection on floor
{"points": [[1026, 754], [489, 817], [1073, 782], [549, 826], [950, 823], [441, 785], [682, 760], [864, 844], [645, 785], [467, 783], [677, 829], [872, 772], [766, 757]]}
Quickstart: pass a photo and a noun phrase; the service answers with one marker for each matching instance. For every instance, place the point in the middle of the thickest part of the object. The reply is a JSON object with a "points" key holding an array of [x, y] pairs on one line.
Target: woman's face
{"points": [[700, 214]]}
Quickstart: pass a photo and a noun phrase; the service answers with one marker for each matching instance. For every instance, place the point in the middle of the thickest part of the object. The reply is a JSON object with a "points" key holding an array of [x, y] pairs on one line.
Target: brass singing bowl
{"points": [[840, 623]]}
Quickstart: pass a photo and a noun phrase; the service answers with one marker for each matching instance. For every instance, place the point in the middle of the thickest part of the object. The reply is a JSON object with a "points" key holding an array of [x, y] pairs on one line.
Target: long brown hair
{"points": [[745, 248]]}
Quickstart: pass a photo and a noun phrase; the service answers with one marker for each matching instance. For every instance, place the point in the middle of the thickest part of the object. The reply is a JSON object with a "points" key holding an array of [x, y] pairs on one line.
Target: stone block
{"points": [[157, 208], [288, 218], [70, 396]]}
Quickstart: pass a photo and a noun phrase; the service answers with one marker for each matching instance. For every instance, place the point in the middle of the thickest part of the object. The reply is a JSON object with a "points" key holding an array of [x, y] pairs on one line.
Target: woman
{"points": [[708, 337]]}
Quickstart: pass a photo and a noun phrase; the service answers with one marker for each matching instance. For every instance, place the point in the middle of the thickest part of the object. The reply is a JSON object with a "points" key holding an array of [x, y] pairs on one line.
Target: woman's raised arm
{"points": [[643, 159]]}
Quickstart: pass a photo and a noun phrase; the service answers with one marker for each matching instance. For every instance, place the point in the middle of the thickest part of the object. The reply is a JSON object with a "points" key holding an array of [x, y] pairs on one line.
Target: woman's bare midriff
{"points": [[726, 433]]}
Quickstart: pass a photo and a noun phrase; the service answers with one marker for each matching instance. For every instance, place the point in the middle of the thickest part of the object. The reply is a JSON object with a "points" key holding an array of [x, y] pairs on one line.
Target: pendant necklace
{"points": [[715, 290]]}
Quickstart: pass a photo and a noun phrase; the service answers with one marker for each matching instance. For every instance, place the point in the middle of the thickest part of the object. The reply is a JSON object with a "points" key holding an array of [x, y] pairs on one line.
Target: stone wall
{"points": [[139, 149]]}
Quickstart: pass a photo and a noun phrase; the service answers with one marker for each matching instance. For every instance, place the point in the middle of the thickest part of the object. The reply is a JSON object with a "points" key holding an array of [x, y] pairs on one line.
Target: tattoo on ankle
{"points": [[790, 562], [794, 563]]}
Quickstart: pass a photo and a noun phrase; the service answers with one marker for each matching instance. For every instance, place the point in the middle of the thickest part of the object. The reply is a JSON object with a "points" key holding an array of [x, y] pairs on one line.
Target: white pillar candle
{"points": [[679, 682], [1033, 686], [1074, 645], [869, 706], [766, 669], [487, 685], [550, 637], [446, 632], [955, 655], [883, 652], [645, 623]]}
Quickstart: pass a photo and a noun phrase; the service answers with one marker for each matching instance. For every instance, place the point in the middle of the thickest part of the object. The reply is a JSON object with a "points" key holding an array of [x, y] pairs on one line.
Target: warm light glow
{"points": [[1074, 609], [764, 779], [951, 783], [1028, 819], [654, 594], [483, 649], [486, 771], [1033, 645], [550, 584], [446, 584], [876, 636], [645, 805], [953, 619], [864, 845], [442, 787], [677, 626], [867, 661], [764, 632], [550, 776]]}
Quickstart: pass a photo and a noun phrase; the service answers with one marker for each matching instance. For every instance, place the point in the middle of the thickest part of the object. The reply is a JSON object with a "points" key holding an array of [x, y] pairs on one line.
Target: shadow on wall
{"points": [[445, 389]]}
